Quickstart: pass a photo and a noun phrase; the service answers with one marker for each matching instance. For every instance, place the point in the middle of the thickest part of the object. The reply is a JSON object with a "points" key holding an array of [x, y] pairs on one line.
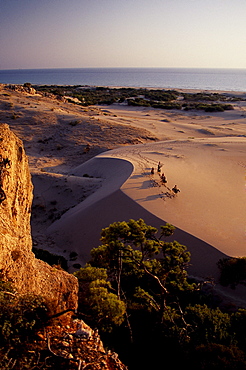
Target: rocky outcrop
{"points": [[27, 88], [17, 262], [66, 342], [77, 346]]}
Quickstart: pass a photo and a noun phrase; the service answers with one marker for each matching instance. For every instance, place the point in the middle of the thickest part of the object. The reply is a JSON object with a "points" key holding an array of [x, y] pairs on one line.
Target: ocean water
{"points": [[171, 78]]}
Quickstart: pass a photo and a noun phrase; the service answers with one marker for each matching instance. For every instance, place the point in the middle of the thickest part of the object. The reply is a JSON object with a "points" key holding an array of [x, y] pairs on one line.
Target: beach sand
{"points": [[76, 194]]}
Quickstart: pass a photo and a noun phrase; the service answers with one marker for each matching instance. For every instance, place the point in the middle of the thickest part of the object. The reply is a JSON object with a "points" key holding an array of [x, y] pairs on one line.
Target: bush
{"points": [[28, 85], [207, 107], [216, 357], [232, 271], [20, 316], [73, 256], [209, 325], [50, 258], [168, 105]]}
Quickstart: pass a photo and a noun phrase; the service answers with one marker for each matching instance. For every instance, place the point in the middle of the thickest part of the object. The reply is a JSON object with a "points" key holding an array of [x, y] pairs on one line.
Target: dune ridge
{"points": [[81, 229]]}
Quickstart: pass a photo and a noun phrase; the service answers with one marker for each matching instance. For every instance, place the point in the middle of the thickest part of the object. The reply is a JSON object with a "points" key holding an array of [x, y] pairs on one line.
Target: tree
{"points": [[143, 267], [96, 302]]}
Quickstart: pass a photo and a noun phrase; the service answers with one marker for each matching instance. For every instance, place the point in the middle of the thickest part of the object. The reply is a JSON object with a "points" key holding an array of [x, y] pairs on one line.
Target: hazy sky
{"points": [[122, 33]]}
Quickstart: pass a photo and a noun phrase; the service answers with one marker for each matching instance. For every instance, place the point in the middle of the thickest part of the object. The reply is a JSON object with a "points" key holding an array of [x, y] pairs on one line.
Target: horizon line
{"points": [[52, 68]]}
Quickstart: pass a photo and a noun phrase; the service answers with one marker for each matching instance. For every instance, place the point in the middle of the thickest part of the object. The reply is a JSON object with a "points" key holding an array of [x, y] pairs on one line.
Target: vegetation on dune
{"points": [[155, 98], [218, 107]]}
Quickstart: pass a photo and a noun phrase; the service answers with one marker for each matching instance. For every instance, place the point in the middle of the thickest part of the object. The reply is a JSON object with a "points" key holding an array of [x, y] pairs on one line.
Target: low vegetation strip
{"points": [[161, 99]]}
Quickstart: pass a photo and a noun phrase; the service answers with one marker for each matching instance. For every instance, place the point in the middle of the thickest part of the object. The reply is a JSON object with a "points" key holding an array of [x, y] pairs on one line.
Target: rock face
{"points": [[17, 262], [72, 341]]}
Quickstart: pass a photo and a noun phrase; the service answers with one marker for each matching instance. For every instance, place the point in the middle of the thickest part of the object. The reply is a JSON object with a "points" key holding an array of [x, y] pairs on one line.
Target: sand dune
{"points": [[209, 212], [80, 227], [201, 211], [77, 194], [210, 174]]}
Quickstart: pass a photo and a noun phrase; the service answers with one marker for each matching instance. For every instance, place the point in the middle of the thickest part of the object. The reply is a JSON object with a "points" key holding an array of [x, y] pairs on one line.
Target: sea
{"points": [[159, 78]]}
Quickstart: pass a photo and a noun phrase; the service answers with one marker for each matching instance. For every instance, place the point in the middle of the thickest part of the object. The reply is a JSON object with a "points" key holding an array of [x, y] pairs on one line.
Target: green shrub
{"points": [[168, 105], [207, 107], [20, 317]]}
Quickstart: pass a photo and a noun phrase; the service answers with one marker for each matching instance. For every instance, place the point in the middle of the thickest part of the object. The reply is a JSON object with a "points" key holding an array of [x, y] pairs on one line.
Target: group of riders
{"points": [[175, 189]]}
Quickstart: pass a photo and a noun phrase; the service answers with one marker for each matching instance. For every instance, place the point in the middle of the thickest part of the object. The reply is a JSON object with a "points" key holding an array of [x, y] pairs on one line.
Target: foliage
{"points": [[238, 323], [50, 258], [162, 308], [137, 292], [6, 286], [128, 250], [216, 107], [202, 96], [20, 316], [156, 98], [215, 356], [208, 325], [138, 102], [27, 84], [147, 273], [96, 302], [232, 271]]}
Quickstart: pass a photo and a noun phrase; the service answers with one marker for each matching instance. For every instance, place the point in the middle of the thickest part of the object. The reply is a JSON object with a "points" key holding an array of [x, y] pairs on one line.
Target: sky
{"points": [[122, 33]]}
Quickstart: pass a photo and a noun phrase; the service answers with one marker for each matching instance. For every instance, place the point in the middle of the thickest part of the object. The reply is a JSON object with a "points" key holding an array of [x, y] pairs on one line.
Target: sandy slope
{"points": [[208, 168], [80, 227], [76, 195], [207, 163], [210, 175]]}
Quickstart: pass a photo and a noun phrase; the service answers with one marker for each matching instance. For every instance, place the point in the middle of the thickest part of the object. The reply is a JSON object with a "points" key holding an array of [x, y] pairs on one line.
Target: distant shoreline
{"points": [[214, 79], [240, 94]]}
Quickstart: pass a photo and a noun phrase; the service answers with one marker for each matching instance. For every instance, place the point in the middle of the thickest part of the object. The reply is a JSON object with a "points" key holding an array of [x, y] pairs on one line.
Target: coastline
{"points": [[209, 79]]}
